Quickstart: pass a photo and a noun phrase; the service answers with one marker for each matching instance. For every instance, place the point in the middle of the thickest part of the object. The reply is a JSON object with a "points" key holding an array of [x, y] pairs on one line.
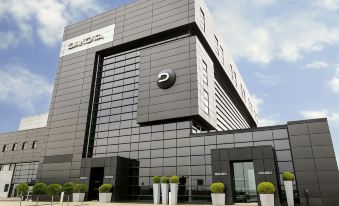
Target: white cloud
{"points": [[24, 89], [262, 37], [264, 2], [317, 65], [45, 18], [331, 5], [334, 82], [333, 117], [257, 102], [267, 79], [263, 121], [270, 121]]}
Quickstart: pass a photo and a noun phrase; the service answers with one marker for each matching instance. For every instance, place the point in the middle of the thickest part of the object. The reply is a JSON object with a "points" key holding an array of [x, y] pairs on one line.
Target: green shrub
{"points": [[68, 188], [217, 187], [39, 188], [288, 176], [54, 189], [80, 188], [163, 179], [105, 188], [22, 189], [174, 179], [266, 188], [156, 179]]}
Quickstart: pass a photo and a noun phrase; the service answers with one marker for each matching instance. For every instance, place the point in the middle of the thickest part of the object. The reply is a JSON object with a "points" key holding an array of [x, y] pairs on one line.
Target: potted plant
{"points": [[79, 191], [21, 190], [266, 191], [217, 193], [105, 194], [54, 189], [288, 178], [174, 183], [39, 189], [156, 189], [68, 189], [164, 190]]}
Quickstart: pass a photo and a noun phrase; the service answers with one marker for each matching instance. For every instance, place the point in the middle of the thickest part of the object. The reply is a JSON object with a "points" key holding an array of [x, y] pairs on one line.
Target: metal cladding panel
{"points": [[156, 104], [20, 154], [314, 161]]}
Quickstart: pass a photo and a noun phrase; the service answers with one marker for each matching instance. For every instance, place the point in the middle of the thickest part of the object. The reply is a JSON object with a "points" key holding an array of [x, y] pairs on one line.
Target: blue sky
{"points": [[287, 52]]}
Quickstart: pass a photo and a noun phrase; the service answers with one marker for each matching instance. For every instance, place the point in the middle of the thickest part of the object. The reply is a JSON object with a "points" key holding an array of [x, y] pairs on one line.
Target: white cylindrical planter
{"points": [[156, 193], [164, 193], [174, 193], [105, 197], [267, 199], [218, 199], [78, 197], [289, 192]]}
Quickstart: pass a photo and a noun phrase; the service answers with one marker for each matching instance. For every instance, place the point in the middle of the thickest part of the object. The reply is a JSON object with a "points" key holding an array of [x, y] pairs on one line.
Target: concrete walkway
{"points": [[91, 203]]}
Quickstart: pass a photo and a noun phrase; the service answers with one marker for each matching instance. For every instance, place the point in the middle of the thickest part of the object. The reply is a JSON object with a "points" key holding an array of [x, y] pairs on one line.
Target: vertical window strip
{"points": [[206, 102], [202, 19], [204, 70], [216, 41]]}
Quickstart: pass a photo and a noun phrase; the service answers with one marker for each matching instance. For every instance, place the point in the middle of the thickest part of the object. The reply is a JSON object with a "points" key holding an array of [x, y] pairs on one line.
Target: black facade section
{"points": [[118, 171], [315, 163], [264, 162]]}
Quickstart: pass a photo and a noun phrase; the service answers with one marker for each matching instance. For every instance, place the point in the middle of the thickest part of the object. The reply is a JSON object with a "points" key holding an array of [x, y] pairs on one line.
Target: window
{"points": [[242, 91], [234, 76], [204, 72], [206, 102], [24, 145], [216, 41], [6, 187], [15, 145], [4, 148], [202, 19], [5, 167], [222, 55], [35, 145]]}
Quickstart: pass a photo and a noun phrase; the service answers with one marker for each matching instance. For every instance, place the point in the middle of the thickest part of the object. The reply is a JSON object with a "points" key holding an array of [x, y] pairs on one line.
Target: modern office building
{"points": [[149, 89]]}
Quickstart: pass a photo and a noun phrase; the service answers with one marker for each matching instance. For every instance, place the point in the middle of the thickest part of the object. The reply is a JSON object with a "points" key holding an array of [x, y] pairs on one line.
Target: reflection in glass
{"points": [[244, 182]]}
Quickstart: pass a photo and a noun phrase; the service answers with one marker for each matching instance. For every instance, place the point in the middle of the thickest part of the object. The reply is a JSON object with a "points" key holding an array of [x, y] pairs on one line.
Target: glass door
{"points": [[244, 182]]}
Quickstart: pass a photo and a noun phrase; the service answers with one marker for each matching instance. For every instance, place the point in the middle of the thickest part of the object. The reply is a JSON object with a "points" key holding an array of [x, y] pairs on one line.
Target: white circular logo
{"points": [[166, 79]]}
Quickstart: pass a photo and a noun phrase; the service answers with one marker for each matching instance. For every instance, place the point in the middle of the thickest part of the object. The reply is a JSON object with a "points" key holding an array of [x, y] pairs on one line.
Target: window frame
{"points": [[24, 146], [15, 147], [216, 42], [222, 55], [202, 19], [204, 72], [4, 148], [206, 101], [35, 145]]}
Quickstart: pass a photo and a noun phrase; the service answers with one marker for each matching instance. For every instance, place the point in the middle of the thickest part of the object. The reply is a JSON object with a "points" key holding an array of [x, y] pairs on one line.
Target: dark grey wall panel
{"points": [[154, 103], [314, 161]]}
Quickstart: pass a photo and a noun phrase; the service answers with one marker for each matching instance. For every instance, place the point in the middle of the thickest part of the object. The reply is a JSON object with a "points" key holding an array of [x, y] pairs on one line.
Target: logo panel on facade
{"points": [[166, 79]]}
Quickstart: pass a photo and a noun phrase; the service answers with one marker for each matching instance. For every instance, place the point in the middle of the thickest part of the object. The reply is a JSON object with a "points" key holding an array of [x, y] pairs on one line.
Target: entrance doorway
{"points": [[95, 181], [244, 185]]}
